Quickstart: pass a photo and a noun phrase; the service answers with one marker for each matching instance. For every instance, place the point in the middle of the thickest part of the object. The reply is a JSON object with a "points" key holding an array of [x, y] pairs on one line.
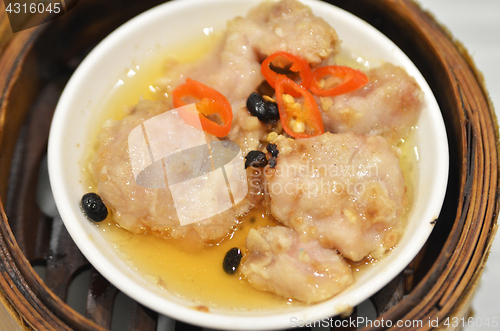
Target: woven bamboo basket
{"points": [[36, 63]]}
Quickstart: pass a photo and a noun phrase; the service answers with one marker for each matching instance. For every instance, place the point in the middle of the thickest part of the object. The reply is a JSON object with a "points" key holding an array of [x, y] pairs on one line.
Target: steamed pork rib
{"points": [[140, 209], [279, 262], [345, 190], [233, 68], [388, 105], [290, 26]]}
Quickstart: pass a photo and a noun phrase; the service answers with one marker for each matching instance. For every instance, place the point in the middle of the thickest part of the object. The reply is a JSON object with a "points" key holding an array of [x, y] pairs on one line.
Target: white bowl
{"points": [[132, 43]]}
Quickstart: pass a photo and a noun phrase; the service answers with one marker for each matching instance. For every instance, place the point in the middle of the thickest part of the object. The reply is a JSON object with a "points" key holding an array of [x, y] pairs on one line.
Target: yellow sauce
{"points": [[188, 270], [191, 271]]}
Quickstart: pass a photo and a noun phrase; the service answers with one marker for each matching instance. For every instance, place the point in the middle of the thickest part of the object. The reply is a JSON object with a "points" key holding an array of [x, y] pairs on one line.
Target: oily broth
{"points": [[194, 271], [185, 268]]}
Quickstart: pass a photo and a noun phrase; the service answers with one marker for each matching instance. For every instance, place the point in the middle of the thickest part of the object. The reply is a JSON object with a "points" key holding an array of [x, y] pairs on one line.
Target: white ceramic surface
{"points": [[129, 44]]}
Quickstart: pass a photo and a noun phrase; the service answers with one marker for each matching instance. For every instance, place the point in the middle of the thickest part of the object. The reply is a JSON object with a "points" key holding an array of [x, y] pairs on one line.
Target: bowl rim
{"points": [[130, 287]]}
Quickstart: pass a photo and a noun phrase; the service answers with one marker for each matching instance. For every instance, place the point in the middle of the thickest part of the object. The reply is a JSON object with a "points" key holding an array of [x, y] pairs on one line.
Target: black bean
{"points": [[94, 207], [272, 110], [272, 149], [256, 159], [256, 105], [264, 110], [232, 260]]}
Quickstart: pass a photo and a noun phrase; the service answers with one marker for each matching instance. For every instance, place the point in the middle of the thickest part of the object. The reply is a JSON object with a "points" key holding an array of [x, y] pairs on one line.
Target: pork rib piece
{"points": [[279, 262], [233, 67], [388, 105], [140, 208], [345, 190]]}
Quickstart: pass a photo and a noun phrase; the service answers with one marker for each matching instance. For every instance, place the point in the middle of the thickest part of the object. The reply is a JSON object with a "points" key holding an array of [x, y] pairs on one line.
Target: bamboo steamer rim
{"points": [[445, 290]]}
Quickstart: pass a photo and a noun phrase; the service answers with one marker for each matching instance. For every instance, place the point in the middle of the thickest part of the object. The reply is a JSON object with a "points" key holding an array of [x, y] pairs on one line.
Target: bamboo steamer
{"points": [[36, 63]]}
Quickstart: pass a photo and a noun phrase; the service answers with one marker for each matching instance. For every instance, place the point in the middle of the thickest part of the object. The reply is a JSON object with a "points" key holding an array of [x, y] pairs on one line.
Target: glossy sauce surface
{"points": [[193, 270]]}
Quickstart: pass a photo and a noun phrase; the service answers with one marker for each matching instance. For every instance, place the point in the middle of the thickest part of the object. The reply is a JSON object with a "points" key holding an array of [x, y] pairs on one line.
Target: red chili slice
{"points": [[298, 64], [352, 79], [211, 102], [307, 113]]}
